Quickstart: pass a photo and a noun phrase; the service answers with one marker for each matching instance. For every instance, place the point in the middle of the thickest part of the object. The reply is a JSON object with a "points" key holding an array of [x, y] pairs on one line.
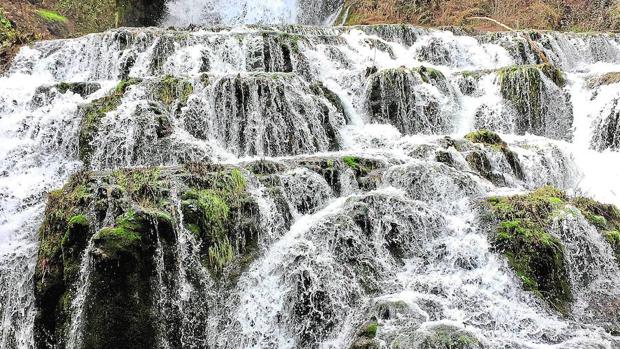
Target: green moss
{"points": [[371, 330], [80, 219], [51, 16], [123, 238], [209, 215], [355, 164], [603, 216], [170, 89], [606, 218], [485, 136], [613, 237], [94, 112], [429, 75], [144, 186], [536, 256], [524, 87]]}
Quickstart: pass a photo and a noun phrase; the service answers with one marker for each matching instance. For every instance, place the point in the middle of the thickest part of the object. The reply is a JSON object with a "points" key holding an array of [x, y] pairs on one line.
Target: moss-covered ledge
{"points": [[522, 235], [478, 159], [126, 224], [94, 112]]}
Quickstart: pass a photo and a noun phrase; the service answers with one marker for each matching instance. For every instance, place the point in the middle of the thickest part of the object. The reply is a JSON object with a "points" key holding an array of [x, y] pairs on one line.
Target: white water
{"points": [[235, 12], [449, 267]]}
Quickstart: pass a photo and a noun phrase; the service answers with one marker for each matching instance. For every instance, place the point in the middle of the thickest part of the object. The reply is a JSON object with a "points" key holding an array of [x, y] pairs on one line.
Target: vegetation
{"points": [[537, 256], [94, 112], [361, 167], [51, 16], [212, 209], [170, 89], [447, 337], [578, 15], [485, 136]]}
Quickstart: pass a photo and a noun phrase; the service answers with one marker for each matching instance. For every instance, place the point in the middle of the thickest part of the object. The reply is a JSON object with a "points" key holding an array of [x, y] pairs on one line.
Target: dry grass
{"points": [[577, 15]]}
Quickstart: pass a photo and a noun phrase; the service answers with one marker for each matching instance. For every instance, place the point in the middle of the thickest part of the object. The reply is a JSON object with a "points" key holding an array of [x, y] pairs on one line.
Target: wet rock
{"points": [[414, 101], [536, 256], [541, 106], [135, 222]]}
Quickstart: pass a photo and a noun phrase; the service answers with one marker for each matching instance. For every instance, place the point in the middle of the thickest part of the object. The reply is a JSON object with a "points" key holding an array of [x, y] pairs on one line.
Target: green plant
{"points": [[51, 16]]}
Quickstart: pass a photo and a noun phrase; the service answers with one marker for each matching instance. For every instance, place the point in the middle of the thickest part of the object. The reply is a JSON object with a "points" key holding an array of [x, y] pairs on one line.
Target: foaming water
{"points": [[408, 239], [234, 12]]}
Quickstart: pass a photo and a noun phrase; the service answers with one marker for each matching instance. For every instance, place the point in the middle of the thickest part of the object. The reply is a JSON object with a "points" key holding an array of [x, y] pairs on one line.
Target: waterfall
{"points": [[292, 186], [185, 12]]}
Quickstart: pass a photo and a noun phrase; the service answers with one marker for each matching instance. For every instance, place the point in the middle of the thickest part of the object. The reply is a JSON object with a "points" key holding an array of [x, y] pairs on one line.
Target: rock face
{"points": [[533, 232], [124, 228], [414, 101], [607, 134], [534, 101], [267, 187], [118, 248], [140, 13]]}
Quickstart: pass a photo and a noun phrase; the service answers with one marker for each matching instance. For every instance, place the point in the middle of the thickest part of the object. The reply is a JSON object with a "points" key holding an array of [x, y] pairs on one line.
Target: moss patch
{"points": [[94, 112], [450, 339], [51, 16], [213, 211], [358, 165], [606, 218], [171, 89], [485, 137], [536, 256]]}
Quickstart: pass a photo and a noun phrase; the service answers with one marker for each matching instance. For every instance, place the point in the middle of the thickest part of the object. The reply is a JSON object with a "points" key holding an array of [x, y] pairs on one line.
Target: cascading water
{"points": [[352, 190], [184, 12]]}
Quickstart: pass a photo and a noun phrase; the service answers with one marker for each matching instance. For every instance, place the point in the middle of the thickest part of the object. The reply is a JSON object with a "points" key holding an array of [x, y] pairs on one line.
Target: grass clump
{"points": [[51, 16], [357, 165], [371, 330]]}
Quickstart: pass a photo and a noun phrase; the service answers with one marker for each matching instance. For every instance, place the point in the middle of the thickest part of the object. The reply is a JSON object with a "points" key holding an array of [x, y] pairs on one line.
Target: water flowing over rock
{"points": [[309, 187], [212, 12]]}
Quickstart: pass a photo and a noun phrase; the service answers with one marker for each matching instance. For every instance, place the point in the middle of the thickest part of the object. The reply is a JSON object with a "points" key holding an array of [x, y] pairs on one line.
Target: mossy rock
{"points": [[366, 336], [606, 218], [536, 256], [170, 89], [221, 217], [486, 137], [80, 88], [447, 337], [524, 88], [94, 112], [139, 202], [604, 80], [479, 161]]}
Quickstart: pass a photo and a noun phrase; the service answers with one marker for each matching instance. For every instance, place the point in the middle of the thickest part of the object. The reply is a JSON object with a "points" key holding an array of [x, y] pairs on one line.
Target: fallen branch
{"points": [[534, 45], [494, 21]]}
